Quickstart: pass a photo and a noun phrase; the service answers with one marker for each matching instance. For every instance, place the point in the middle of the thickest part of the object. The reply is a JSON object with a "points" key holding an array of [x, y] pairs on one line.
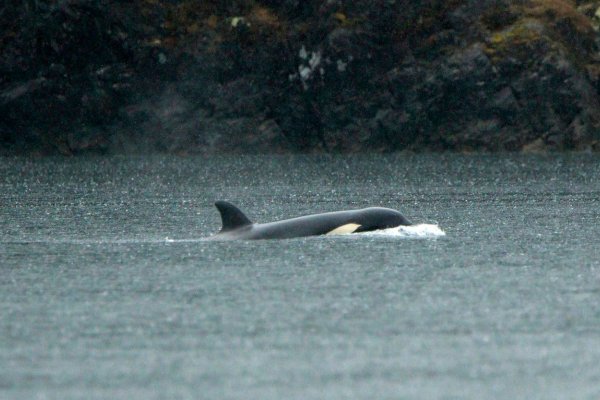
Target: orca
{"points": [[236, 226]]}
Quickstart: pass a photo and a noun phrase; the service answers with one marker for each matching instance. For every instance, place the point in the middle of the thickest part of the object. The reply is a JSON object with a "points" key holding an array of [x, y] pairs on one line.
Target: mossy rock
{"points": [[568, 23], [517, 41]]}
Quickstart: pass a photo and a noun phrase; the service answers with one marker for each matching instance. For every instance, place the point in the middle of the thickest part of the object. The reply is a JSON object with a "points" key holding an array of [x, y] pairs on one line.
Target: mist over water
{"points": [[108, 290]]}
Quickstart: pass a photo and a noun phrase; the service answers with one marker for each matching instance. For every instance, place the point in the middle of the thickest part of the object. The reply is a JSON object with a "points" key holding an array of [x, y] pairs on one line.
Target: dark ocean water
{"points": [[108, 292]]}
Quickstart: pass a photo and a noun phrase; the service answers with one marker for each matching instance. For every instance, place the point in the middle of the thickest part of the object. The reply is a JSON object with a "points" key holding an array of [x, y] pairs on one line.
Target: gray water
{"points": [[107, 291]]}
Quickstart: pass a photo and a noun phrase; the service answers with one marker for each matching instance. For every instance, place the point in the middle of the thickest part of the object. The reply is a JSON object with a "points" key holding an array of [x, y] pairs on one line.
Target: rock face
{"points": [[288, 76]]}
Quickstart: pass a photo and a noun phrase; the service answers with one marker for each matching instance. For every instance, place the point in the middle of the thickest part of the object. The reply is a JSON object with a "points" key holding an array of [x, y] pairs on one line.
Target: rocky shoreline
{"points": [[191, 77]]}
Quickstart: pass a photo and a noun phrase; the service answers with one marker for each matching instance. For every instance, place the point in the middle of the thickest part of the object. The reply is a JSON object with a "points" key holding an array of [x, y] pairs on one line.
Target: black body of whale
{"points": [[237, 226]]}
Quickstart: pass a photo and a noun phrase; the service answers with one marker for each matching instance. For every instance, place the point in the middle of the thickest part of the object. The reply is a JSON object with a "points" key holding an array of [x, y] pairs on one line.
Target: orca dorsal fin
{"points": [[231, 216]]}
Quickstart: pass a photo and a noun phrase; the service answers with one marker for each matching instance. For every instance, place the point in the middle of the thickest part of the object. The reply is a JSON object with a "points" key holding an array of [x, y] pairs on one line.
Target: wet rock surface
{"points": [[259, 76]]}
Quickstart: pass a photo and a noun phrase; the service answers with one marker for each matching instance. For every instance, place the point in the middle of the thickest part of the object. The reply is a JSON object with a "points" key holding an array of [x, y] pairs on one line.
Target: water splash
{"points": [[410, 231]]}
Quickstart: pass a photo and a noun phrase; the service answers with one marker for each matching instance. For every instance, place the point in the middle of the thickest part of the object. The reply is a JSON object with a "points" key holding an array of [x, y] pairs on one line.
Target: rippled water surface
{"points": [[107, 290]]}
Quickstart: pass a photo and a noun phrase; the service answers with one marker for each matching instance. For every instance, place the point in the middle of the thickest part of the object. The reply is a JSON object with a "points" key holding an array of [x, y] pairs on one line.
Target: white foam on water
{"points": [[191, 240], [409, 231]]}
